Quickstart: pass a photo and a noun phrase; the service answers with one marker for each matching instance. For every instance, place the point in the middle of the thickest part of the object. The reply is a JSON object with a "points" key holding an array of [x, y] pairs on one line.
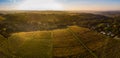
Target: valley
{"points": [[59, 35]]}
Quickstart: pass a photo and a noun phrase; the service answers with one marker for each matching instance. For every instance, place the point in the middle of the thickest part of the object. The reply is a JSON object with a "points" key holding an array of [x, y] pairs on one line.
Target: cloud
{"points": [[60, 4], [9, 4], [39, 5], [90, 4]]}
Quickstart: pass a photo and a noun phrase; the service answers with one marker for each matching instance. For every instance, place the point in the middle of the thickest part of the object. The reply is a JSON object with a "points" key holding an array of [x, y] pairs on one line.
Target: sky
{"points": [[97, 5]]}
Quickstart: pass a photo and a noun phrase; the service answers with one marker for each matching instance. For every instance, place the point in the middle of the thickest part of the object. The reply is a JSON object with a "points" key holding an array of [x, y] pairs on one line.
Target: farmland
{"points": [[56, 43], [58, 35]]}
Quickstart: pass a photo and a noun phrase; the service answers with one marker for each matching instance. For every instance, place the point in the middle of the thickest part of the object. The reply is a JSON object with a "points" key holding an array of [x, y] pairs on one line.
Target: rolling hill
{"points": [[59, 34], [71, 42], [37, 21]]}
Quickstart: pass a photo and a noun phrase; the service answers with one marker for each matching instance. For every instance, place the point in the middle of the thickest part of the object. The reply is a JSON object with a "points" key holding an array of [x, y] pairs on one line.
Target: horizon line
{"points": [[59, 10]]}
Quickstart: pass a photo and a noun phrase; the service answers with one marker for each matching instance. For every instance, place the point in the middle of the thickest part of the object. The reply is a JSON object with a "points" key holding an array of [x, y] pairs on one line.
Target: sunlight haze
{"points": [[59, 5]]}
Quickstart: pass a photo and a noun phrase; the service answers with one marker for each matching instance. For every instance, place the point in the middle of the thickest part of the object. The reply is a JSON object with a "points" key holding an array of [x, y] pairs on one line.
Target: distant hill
{"points": [[34, 21], [109, 13]]}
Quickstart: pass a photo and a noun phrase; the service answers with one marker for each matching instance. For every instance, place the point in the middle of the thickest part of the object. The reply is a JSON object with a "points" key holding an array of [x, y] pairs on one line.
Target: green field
{"points": [[56, 44], [29, 45]]}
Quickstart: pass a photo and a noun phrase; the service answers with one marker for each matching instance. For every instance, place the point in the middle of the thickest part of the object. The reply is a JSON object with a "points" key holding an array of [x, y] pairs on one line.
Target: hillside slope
{"points": [[60, 43], [22, 22]]}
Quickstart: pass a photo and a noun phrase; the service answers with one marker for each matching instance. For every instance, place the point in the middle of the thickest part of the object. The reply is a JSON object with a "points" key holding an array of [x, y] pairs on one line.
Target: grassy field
{"points": [[59, 43], [69, 46], [29, 45]]}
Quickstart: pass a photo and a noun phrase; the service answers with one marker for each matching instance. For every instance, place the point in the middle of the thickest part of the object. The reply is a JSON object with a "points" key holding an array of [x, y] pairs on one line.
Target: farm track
{"points": [[51, 33], [80, 41]]}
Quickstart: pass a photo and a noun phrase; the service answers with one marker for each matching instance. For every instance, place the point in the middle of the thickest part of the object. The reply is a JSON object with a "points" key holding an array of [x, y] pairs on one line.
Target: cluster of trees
{"points": [[110, 28]]}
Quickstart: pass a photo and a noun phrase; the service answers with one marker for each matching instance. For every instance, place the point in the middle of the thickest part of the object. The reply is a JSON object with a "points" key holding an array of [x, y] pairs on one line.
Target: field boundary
{"points": [[51, 33], [80, 41]]}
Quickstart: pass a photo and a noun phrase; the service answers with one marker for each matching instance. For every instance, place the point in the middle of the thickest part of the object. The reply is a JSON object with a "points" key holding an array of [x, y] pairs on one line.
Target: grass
{"points": [[2, 38], [65, 44], [68, 46], [59, 43], [78, 39], [112, 49], [30, 45]]}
